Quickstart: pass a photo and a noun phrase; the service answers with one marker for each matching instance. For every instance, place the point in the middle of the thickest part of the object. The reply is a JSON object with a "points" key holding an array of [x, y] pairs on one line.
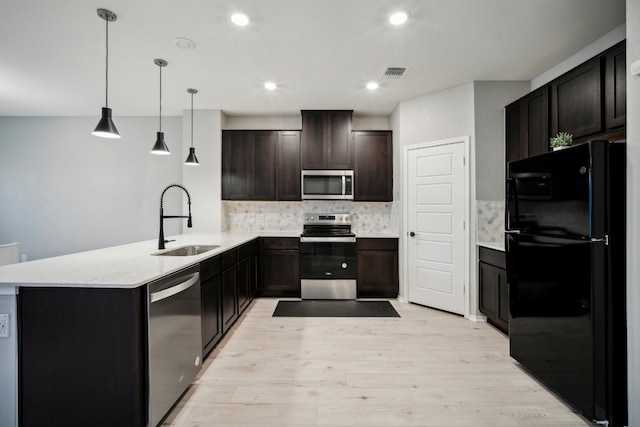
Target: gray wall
{"points": [[64, 190], [489, 100], [204, 181], [633, 207]]}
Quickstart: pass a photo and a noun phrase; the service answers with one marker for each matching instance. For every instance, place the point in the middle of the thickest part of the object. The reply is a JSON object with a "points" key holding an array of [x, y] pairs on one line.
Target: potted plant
{"points": [[561, 140]]}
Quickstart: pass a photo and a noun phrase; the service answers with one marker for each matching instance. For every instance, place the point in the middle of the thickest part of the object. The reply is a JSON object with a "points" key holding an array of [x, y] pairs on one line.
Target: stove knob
{"points": [[344, 265]]}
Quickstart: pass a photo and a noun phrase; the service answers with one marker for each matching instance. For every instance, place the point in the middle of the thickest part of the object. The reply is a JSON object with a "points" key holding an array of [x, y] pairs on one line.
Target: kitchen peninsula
{"points": [[80, 342]]}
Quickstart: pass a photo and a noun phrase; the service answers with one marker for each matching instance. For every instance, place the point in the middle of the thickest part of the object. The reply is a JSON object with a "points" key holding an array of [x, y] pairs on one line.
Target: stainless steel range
{"points": [[328, 257]]}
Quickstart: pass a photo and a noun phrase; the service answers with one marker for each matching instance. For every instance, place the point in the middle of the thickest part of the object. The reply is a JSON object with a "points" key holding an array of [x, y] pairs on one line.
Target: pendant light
{"points": [[160, 147], [192, 160], [106, 128]]}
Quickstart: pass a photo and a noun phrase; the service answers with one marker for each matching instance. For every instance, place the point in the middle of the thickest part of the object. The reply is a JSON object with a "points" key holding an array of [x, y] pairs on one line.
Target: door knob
{"points": [[412, 234]]}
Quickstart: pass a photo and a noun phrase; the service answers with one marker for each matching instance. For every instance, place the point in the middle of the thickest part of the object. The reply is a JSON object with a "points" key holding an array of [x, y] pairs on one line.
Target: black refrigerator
{"points": [[565, 248]]}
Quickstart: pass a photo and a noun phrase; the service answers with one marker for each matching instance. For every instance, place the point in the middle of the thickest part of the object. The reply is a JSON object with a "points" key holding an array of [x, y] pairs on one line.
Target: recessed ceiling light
{"points": [[399, 17], [184, 43], [270, 86], [240, 19], [372, 85]]}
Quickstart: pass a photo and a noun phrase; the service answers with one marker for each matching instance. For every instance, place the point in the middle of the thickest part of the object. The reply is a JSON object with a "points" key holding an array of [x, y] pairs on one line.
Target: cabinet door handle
{"points": [[412, 234]]}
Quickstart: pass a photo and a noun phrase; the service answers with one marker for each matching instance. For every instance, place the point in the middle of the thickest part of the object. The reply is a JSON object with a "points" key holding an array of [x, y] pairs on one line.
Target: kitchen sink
{"points": [[187, 250]]}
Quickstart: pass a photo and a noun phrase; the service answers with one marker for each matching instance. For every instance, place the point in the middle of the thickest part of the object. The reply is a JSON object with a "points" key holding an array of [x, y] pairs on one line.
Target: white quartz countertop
{"points": [[125, 266], [377, 235], [498, 246], [130, 265]]}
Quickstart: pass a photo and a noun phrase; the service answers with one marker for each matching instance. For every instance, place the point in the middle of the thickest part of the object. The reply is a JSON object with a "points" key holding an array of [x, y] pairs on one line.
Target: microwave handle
{"points": [[344, 185]]}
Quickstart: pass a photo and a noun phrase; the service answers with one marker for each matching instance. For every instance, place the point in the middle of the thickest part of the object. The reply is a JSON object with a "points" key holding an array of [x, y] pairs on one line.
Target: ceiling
{"points": [[321, 53]]}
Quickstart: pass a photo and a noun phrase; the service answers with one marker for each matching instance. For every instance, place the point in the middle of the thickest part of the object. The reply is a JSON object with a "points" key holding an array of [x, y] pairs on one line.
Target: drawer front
{"points": [[493, 257], [246, 249], [209, 268], [280, 243], [378, 244], [229, 258]]}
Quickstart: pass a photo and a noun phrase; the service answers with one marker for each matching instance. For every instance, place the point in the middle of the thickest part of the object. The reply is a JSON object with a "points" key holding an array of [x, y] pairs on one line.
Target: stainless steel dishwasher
{"points": [[175, 339]]}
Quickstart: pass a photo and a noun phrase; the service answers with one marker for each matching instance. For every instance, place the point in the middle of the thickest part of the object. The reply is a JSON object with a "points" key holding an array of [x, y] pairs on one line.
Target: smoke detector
{"points": [[394, 73]]}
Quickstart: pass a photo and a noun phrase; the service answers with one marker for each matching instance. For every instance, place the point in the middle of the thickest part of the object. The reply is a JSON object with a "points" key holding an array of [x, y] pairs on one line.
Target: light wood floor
{"points": [[427, 368]]}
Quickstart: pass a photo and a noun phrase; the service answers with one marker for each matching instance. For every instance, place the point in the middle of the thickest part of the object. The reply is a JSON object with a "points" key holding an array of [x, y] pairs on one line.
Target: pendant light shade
{"points": [[192, 160], [160, 147], [106, 128]]}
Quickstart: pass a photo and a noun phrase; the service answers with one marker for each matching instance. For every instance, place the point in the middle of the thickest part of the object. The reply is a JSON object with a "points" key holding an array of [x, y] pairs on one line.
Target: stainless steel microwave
{"points": [[327, 185]]}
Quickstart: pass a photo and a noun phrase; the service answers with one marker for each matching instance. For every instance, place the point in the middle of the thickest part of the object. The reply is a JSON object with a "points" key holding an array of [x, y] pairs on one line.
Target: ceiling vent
{"points": [[394, 73]]}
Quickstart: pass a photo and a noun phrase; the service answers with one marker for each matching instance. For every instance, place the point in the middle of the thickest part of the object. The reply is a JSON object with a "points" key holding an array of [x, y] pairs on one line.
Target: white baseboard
{"points": [[477, 318]]}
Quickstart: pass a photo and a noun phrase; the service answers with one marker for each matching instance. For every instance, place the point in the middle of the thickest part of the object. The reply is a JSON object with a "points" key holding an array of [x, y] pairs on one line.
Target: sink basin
{"points": [[187, 250]]}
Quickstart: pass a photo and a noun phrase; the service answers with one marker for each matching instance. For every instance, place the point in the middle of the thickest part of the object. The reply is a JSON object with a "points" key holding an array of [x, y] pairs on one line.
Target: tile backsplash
{"points": [[367, 217], [288, 216], [490, 220]]}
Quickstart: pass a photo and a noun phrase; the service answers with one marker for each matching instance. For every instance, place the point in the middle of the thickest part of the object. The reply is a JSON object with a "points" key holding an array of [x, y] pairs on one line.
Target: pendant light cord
{"points": [[191, 119], [160, 98], [106, 74]]}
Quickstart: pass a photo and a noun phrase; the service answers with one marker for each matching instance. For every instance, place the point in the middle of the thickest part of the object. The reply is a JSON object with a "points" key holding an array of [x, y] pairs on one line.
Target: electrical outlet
{"points": [[4, 325]]}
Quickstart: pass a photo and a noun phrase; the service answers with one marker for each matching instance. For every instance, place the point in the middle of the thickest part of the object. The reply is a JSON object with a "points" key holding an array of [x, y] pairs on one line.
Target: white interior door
{"points": [[436, 200]]}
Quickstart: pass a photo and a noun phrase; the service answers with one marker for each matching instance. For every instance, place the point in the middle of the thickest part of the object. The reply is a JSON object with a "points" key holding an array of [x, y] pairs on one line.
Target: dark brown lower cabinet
{"points": [[246, 275], [229, 289], [279, 267], [82, 357], [237, 279], [377, 268], [211, 294], [494, 290]]}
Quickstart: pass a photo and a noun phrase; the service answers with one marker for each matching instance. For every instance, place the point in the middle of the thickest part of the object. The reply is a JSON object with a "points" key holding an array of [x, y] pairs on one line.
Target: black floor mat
{"points": [[333, 308]]}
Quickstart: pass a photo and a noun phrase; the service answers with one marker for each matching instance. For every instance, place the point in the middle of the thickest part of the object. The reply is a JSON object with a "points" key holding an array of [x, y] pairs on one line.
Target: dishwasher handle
{"points": [[176, 289]]}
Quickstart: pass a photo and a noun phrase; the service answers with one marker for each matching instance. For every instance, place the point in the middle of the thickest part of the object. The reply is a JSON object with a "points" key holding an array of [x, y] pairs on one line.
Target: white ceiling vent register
{"points": [[394, 73]]}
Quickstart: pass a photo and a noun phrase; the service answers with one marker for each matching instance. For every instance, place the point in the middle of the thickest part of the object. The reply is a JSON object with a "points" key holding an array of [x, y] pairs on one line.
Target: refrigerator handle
{"points": [[510, 243], [604, 240]]}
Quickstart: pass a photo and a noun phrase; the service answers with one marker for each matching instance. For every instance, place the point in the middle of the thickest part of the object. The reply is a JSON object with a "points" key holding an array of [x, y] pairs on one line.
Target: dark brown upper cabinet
{"points": [[576, 100], [588, 101], [288, 165], [260, 165], [373, 166], [616, 86], [527, 125], [248, 165], [326, 139]]}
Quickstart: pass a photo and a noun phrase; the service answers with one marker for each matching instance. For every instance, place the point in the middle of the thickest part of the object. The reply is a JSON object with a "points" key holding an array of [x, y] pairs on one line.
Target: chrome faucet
{"points": [[161, 240]]}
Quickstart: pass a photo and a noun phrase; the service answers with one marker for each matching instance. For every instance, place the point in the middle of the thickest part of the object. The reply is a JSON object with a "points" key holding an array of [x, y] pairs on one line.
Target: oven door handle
{"points": [[328, 239]]}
